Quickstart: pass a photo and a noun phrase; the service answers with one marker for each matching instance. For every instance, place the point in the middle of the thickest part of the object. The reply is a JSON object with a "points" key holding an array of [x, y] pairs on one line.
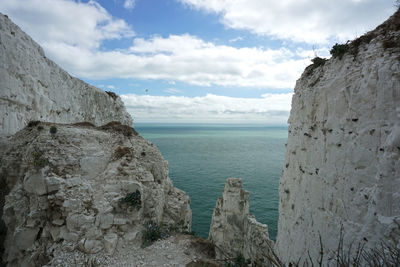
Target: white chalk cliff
{"points": [[78, 187], [341, 178], [83, 188], [68, 185], [32, 87], [343, 152]]}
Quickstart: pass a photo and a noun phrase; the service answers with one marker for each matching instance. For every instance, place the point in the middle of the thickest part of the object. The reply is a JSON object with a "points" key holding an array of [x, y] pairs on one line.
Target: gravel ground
{"points": [[176, 250]]}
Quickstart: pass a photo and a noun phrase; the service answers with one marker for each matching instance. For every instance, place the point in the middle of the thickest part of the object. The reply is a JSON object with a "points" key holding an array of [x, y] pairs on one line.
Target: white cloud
{"points": [[236, 39], [269, 109], [71, 34], [310, 21], [129, 4], [111, 87], [312, 53], [65, 23], [187, 59], [172, 91]]}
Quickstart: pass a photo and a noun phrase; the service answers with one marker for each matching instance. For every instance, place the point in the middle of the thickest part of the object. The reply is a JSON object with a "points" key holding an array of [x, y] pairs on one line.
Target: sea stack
{"points": [[235, 231]]}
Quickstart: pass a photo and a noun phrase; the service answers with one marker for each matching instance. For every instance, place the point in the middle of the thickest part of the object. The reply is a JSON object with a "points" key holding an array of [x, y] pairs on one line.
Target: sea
{"points": [[202, 156]]}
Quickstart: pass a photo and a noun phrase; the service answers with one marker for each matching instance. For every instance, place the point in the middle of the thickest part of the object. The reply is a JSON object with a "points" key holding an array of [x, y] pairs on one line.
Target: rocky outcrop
{"points": [[32, 87], [234, 231], [342, 164], [86, 188]]}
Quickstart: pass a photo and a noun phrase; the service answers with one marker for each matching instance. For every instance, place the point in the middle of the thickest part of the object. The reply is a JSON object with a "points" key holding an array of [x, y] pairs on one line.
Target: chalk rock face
{"points": [[234, 230], [83, 188], [343, 151], [32, 87]]}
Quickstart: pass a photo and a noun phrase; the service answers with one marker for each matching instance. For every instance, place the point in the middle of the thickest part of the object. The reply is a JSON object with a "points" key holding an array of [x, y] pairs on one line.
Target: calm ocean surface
{"points": [[201, 157]]}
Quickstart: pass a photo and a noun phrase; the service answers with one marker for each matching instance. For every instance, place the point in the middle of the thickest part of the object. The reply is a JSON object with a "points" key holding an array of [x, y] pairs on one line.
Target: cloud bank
{"points": [[72, 33], [269, 109], [309, 21]]}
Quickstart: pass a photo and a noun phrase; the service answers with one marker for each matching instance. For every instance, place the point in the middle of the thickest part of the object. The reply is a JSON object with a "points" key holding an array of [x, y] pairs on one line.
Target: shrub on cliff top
{"points": [[338, 50], [112, 94], [317, 61]]}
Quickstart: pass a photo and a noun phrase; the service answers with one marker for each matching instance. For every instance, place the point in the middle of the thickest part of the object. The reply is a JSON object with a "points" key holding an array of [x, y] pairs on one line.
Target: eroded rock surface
{"points": [[234, 231], [83, 189], [174, 251], [32, 87], [343, 152]]}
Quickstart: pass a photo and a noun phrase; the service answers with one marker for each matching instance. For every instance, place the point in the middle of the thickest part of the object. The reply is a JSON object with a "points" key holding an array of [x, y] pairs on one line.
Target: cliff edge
{"points": [[342, 168], [339, 190], [78, 185], [32, 87], [69, 188]]}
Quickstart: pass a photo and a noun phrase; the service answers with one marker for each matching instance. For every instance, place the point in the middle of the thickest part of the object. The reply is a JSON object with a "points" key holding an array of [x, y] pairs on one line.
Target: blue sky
{"points": [[222, 61]]}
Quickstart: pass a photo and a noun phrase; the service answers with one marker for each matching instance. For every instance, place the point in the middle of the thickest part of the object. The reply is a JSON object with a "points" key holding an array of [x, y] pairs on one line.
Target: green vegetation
{"points": [[53, 130], [133, 199], [338, 50], [152, 233], [38, 160], [385, 255], [317, 61], [112, 94], [33, 123], [116, 126]]}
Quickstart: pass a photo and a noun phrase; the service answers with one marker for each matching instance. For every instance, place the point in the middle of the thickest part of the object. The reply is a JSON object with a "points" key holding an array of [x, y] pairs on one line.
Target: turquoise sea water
{"points": [[201, 157]]}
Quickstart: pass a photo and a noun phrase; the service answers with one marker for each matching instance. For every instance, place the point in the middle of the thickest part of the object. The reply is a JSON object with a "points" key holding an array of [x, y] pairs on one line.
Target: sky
{"points": [[195, 61]]}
